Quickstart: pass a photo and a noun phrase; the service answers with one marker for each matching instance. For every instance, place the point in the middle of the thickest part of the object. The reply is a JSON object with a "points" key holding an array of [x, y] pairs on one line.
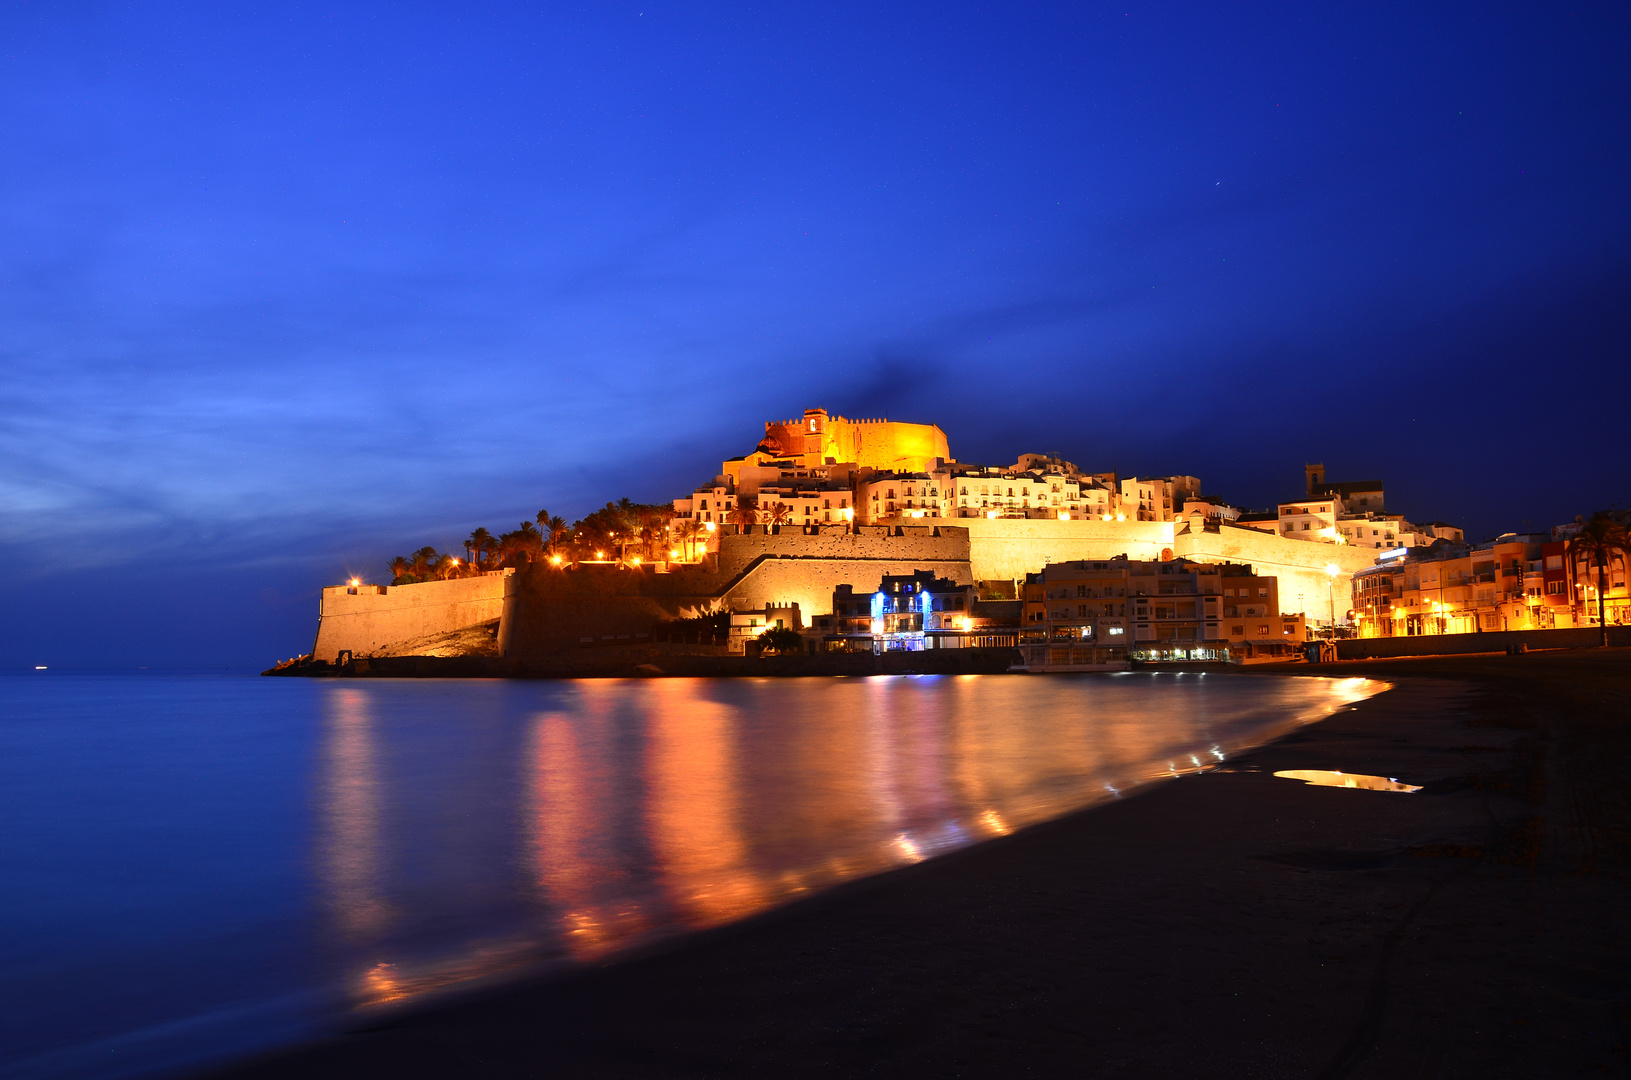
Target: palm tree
{"points": [[480, 543], [400, 568], [423, 562], [746, 513], [653, 520], [779, 513], [1598, 542], [555, 529], [685, 531]]}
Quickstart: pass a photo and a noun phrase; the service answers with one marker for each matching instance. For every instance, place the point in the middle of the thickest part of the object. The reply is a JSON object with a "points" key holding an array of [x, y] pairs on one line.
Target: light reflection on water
{"points": [[652, 807], [200, 867], [1336, 778]]}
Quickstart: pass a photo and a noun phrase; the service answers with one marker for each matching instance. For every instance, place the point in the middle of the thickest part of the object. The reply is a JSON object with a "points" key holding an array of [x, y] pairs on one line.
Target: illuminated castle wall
{"points": [[820, 439]]}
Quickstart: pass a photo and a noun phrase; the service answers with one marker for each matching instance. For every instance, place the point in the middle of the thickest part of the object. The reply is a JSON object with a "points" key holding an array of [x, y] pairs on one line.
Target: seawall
{"points": [[1578, 637], [366, 619]]}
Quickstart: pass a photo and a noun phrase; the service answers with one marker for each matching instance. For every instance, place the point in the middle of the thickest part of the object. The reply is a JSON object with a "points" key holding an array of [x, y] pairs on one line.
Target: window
{"points": [[1262, 631], [1081, 611], [1263, 592], [1306, 524], [1081, 590], [1237, 631]]}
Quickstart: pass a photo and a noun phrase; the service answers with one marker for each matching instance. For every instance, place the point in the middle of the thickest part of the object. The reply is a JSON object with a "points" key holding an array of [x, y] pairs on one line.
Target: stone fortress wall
{"points": [[1300, 565], [367, 619], [936, 543], [550, 611], [1006, 549], [872, 443]]}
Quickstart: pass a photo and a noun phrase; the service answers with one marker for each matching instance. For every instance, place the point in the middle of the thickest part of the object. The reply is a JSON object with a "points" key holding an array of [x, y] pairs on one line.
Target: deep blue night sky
{"points": [[287, 290]]}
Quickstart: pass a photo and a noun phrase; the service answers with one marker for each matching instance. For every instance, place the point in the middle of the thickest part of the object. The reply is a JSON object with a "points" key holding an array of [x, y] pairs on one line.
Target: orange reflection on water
{"points": [[691, 812], [571, 851], [352, 792], [1337, 778], [649, 806]]}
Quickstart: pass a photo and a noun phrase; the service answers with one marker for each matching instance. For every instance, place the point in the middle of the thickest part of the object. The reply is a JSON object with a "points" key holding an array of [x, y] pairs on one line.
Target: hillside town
{"points": [[840, 536]]}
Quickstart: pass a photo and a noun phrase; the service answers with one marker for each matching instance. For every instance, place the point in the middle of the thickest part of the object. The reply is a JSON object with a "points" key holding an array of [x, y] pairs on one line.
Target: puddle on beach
{"points": [[1327, 778]]}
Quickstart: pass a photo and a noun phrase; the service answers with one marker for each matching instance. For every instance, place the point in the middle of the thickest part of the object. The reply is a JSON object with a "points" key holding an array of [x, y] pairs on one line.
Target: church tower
{"points": [[1316, 476]]}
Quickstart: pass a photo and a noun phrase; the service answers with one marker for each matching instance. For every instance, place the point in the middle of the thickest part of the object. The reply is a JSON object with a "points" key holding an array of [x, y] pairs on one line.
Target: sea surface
{"points": [[199, 868]]}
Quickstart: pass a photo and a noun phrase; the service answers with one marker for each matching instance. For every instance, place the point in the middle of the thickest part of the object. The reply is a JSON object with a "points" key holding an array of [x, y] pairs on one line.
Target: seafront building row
{"points": [[1519, 581], [1080, 614]]}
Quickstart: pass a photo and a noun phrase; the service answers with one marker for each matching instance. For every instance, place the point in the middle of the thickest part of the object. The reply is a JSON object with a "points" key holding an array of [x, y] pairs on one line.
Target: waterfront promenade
{"points": [[1229, 924]]}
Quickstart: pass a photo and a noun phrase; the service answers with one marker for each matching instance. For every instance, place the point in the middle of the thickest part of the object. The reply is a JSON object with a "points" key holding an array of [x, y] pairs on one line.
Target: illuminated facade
{"points": [[1520, 581], [1153, 610], [906, 612]]}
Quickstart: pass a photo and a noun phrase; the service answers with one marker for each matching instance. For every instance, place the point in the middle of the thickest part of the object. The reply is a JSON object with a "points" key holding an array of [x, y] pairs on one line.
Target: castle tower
{"points": [[815, 435], [1316, 476]]}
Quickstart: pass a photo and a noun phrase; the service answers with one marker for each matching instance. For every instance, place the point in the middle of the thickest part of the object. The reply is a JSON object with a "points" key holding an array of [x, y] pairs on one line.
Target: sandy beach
{"points": [[1227, 924]]}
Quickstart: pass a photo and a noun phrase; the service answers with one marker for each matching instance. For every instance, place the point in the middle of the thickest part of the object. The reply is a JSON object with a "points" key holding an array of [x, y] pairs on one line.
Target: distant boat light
{"points": [[39, 667]]}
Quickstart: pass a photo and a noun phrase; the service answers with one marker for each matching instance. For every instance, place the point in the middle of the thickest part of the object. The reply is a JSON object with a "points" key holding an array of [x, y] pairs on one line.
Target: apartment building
{"points": [[1157, 498], [1175, 610]]}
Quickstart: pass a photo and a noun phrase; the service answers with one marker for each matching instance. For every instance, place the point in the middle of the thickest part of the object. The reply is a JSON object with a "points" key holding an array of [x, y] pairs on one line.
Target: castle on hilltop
{"points": [[824, 508], [829, 472]]}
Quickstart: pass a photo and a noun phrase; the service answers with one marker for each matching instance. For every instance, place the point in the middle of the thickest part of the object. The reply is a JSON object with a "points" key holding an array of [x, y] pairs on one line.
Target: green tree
{"points": [[782, 640], [1600, 540], [779, 513], [400, 568]]}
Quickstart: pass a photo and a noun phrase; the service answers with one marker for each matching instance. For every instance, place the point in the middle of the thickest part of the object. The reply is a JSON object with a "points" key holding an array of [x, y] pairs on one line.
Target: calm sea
{"points": [[196, 868]]}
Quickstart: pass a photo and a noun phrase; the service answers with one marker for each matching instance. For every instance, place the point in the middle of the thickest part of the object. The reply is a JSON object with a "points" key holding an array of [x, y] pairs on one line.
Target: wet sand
{"points": [[1228, 924]]}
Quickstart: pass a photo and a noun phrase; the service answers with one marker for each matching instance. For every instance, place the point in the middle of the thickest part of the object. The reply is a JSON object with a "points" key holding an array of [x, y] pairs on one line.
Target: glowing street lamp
{"points": [[1331, 571]]}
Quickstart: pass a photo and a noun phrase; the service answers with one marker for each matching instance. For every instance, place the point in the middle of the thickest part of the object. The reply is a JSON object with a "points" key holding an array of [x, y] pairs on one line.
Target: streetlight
{"points": [[1331, 571]]}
